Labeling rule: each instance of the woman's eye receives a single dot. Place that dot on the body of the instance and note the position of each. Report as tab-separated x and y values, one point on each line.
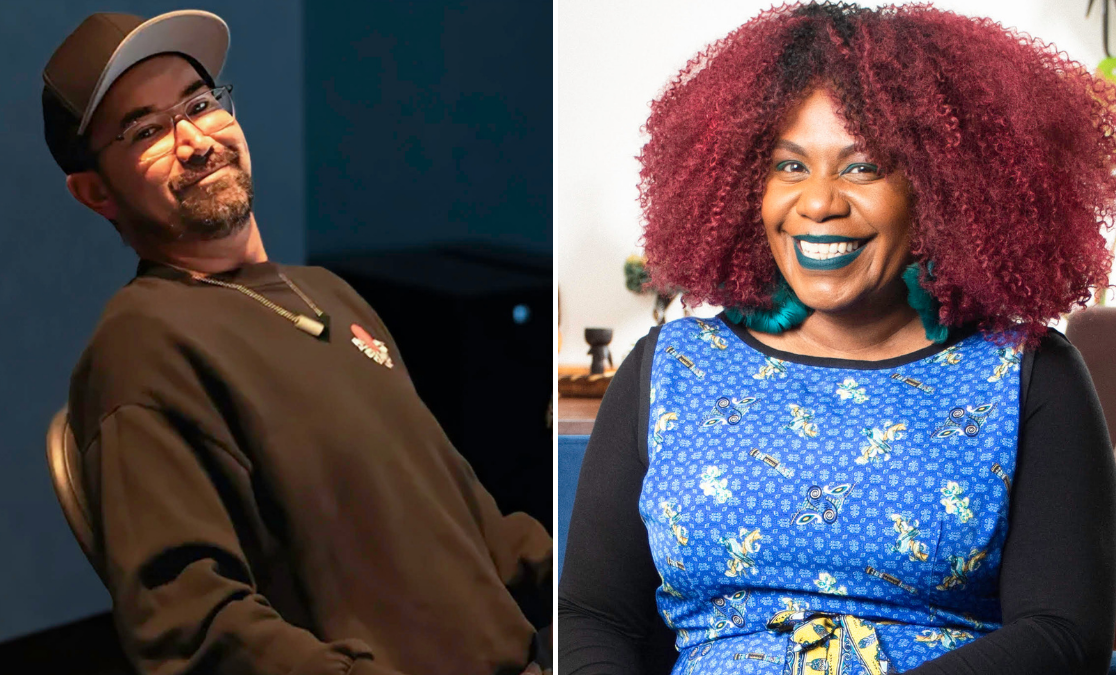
199	107
789	166
862	168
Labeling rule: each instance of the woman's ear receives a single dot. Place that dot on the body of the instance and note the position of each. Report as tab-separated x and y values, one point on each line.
89	188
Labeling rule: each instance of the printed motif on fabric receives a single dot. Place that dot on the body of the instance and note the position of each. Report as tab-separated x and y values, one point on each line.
784	502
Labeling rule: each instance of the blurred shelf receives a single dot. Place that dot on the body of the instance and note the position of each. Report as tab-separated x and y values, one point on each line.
575	416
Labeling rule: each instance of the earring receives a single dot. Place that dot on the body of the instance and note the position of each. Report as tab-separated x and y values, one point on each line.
786	312
923	303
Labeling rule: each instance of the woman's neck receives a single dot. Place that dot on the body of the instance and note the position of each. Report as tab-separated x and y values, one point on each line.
869	334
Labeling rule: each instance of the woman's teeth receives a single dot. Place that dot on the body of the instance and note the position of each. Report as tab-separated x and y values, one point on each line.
826	251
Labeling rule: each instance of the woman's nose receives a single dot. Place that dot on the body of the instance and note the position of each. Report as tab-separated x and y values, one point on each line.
821	199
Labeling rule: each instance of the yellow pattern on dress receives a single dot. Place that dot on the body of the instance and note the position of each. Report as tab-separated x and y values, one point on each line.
819	642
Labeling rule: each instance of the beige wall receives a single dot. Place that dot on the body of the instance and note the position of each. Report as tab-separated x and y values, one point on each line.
611	58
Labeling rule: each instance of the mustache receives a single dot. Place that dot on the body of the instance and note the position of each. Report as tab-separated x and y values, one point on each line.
214	161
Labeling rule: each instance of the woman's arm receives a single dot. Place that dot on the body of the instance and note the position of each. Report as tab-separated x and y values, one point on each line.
1057	580
607	620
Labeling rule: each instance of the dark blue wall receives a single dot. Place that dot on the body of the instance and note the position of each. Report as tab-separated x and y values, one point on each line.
378	124
428	122
60	263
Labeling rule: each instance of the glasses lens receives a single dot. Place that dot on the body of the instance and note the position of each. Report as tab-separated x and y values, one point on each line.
153	136
211	111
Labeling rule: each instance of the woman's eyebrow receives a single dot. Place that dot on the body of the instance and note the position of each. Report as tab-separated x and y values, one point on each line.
791	146
799	150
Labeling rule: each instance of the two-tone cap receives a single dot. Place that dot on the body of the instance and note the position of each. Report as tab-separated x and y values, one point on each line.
104	46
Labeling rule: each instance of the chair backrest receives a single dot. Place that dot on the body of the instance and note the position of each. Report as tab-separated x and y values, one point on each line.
1093	332
64	460
571	450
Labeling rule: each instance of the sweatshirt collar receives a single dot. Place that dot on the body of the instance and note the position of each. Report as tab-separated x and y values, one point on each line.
253	274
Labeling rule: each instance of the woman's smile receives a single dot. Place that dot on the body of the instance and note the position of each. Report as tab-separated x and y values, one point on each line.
827	252
837	225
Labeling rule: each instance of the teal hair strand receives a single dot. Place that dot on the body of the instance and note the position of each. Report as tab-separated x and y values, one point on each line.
925	305
787	311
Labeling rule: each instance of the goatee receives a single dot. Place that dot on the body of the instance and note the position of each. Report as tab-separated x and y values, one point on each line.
216	209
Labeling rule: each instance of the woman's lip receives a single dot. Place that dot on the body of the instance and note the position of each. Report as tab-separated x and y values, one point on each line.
825	238
834	263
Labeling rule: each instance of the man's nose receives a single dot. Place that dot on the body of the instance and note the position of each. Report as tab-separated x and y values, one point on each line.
192	147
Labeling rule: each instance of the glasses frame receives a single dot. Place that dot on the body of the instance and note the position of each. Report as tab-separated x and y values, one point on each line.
175	114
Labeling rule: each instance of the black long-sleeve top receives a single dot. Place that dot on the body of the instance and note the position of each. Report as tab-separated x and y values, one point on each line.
271	503
1058	573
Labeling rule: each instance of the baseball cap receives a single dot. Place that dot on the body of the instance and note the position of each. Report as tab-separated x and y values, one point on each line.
100	50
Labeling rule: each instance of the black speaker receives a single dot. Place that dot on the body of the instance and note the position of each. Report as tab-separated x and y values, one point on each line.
473	326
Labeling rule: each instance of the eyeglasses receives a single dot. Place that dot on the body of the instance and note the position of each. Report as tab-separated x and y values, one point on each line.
154	135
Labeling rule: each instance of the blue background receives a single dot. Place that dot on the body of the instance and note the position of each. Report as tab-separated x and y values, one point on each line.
428	122
372	126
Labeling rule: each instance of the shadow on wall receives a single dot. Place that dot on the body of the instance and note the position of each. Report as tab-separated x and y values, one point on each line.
428	123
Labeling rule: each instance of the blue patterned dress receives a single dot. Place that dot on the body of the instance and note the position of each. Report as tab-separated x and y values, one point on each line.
814	520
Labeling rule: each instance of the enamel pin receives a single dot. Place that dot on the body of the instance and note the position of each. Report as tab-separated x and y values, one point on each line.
370	346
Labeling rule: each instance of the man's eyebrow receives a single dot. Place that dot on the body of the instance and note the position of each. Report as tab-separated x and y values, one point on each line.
194	86
136	113
133	115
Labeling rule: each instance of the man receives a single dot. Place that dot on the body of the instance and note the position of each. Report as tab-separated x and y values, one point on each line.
268	491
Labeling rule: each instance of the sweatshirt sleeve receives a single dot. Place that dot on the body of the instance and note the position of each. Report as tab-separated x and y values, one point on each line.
1058	577
184	596
523	553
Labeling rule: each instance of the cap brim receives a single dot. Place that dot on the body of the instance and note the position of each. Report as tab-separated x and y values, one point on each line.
200	35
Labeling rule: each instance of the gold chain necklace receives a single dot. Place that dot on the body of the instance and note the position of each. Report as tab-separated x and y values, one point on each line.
319	329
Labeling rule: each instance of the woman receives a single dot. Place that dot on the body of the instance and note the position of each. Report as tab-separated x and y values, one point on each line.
878	459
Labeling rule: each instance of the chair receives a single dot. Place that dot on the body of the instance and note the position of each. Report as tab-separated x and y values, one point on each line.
1093	332
64	460
571	450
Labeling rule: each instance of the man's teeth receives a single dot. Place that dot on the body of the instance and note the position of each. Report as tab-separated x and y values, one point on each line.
826	251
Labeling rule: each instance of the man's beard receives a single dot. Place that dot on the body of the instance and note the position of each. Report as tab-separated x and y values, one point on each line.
215	210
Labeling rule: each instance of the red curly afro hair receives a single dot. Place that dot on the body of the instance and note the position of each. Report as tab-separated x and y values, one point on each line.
1008	146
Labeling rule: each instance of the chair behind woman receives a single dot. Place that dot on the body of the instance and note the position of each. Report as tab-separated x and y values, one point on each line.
1093	332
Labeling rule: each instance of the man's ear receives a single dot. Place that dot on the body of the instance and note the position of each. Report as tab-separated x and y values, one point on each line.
89	188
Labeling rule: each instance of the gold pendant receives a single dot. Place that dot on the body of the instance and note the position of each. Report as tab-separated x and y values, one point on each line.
308	325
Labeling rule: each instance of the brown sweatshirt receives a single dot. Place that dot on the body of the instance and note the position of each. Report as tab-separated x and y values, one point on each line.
273	503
